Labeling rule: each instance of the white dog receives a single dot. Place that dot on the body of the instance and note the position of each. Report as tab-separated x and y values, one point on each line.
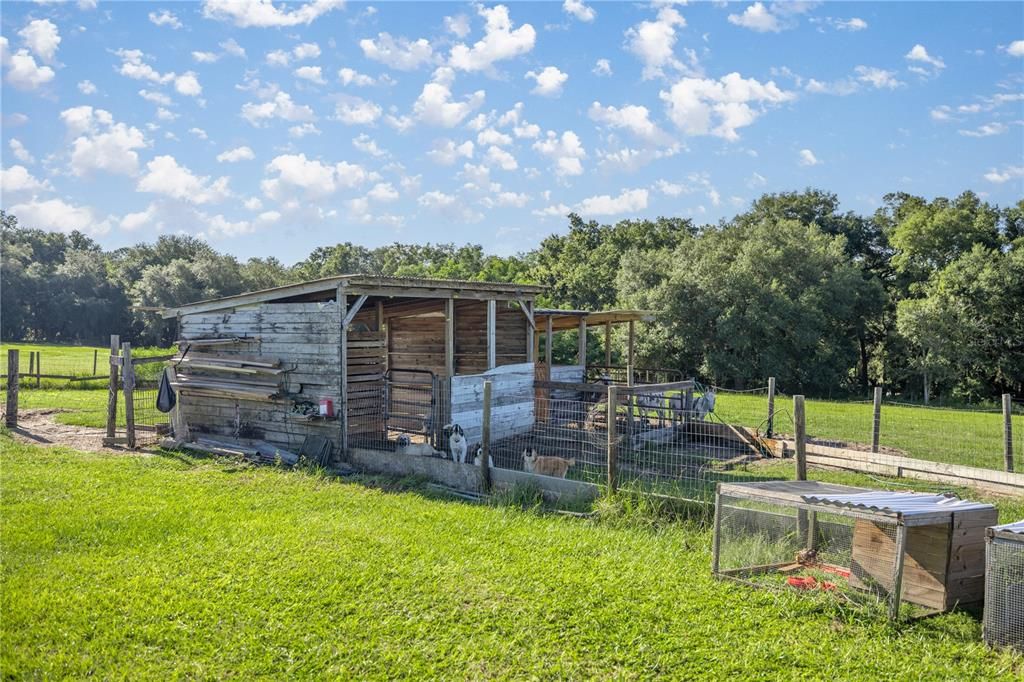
479	457
407	447
457	444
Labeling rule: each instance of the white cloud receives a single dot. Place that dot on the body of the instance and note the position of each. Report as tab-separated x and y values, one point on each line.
986	130
312	177
756	180
489	136
278	58
281	106
87	87
500	42
349	76
401	53
920	55
165	176
853	24
165	114
878	78
521	128
42	37
449	206
101	143
697	104
306	51
633	118
579	10
629	201
237	154
457	25
501	158
1005	175
155	97
565	152
446	152
434	106
19	151
383	192
602	67
253	204
187	84
231	47
57	216
630	160
263	13
165	18
312	74
301	131
941	112
205	57
368	145
22	70
133	221
653	42
807	158
17	179
1015	49
550	81
756	17
500	198
356	111
133	66
198	132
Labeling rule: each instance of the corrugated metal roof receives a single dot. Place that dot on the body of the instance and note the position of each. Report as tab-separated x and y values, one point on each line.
907	504
1015	527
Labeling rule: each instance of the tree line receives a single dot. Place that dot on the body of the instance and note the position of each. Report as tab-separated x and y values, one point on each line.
924	297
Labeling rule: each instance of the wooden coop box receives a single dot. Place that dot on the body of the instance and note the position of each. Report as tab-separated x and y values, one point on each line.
1004	586
920	548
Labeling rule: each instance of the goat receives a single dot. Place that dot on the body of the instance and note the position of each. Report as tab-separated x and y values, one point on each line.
479	457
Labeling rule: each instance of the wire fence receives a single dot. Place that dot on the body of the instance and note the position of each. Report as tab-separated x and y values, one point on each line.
70	366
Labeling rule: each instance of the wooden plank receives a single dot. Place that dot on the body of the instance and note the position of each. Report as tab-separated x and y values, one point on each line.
800	426
491	340
449	337
128	381
13	384
581	350
115	353
613	441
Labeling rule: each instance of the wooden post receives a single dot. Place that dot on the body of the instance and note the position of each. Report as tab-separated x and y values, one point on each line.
13	379
897	578
39	369
549	339
449	337
613	444
581	351
95	360
716	538
31	363
771	407
492	339
607	344
800	425
115	351
342	298
630	344
876	420
485	439
128	381
1008	431
532	337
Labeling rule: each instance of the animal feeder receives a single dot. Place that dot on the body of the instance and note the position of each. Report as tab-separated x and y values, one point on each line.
866	545
1004	585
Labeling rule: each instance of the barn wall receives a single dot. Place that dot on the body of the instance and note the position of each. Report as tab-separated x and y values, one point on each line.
512	401
303	336
471	336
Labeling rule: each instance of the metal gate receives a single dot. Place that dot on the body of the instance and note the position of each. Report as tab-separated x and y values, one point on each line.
415	405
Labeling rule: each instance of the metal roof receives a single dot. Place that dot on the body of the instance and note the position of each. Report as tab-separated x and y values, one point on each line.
1016	527
906	504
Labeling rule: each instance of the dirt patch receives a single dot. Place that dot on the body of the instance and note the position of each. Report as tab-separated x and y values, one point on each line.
40	427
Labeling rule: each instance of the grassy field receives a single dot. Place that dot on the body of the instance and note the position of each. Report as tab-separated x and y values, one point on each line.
160	566
77	361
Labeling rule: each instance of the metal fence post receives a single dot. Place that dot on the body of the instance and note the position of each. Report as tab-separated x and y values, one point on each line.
876	423
613	397
771	406
13	379
128	381
485	438
115	350
800	425
1008	431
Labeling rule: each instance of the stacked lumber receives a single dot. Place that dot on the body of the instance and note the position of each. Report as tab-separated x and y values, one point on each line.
237	364
250	389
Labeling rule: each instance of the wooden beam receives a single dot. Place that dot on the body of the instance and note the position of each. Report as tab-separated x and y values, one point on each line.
128	381
607	344
115	359
581	351
13	381
800	426
630	345
449	337
492	314
527	309
531	332
354	310
342	299
549	336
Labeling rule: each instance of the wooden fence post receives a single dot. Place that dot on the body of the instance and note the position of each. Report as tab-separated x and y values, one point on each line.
485	439
13	379
771	406
800	426
876	420
115	350
1008	431
95	360
39	368
31	362
613	444
128	380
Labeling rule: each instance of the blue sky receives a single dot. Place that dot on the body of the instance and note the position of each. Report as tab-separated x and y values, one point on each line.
270	129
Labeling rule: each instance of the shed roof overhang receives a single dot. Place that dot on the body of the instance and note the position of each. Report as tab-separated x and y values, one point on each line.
371	285
562	320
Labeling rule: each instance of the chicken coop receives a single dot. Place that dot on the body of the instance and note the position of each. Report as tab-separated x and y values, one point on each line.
1004	585
863	546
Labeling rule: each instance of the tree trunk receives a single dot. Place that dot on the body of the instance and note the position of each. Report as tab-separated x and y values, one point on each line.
863	364
926	387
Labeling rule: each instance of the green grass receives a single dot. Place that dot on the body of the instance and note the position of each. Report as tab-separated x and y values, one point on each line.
75	361
171	566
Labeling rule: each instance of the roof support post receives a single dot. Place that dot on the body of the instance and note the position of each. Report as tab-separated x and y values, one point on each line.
342	299
549	337
492	351
581	352
449	336
630	343
607	344
531	332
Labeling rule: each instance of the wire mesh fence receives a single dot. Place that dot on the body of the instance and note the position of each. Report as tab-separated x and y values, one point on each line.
1004	587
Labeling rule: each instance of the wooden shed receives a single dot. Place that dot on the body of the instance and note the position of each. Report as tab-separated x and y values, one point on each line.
393	355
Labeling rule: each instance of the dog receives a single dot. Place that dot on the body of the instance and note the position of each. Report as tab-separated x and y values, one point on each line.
546	466
407	447
479	457
457	444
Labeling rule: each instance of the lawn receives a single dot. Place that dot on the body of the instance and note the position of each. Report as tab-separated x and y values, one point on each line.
77	361
169	566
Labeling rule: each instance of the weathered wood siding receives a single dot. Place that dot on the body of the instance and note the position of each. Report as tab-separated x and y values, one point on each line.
471	336
512	401
367	357
304	337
